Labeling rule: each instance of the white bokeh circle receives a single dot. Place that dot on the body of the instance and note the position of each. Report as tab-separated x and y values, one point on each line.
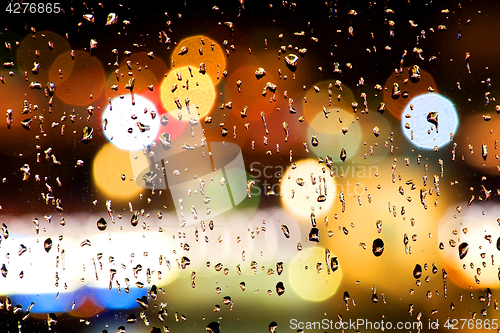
419	130
131	126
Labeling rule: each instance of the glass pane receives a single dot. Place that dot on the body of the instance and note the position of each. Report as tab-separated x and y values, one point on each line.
179	166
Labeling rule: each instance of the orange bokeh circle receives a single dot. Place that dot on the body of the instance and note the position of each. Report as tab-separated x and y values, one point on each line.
250	94
85	81
42	48
200	49
145	71
414	88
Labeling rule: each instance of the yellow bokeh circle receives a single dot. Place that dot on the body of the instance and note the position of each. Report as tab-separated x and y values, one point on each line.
309	283
307	186
186	91
195	50
112	173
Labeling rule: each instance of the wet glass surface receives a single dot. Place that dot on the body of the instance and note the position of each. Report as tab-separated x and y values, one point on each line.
229	167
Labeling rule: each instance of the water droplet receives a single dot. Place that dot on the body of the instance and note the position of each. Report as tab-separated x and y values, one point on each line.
417	271
463	248
334	264
347	298
26	123
291	61
154	292
213	327
343	154
272	327
47	244
396	91
285	230
374	295
102	224
18	308
164	119
279	268
260	73
111	19
432	117
314	235
4	270
414	73
143	301
51	320
89	17
280	288
184	262
376	131
135	219
87	134
378	247
131	319
484	151
314	141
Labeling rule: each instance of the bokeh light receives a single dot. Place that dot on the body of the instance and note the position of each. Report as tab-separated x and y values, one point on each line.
245	91
325	98
146	73
429	121
241	166
131	123
306	187
376	131
477	143
113	174
185	90
305	279
84	82
470	245
339	131
42	48
195	50
401	87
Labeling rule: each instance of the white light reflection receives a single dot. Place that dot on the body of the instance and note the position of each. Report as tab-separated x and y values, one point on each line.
131	123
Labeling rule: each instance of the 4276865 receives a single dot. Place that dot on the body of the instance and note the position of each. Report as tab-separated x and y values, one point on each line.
34	8
455	324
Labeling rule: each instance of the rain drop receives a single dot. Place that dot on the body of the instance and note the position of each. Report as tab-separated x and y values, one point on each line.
378	247
417	271
102	224
462	250
334	264
280	288
47	244
135	219
213	327
292	61
285	230
314	235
